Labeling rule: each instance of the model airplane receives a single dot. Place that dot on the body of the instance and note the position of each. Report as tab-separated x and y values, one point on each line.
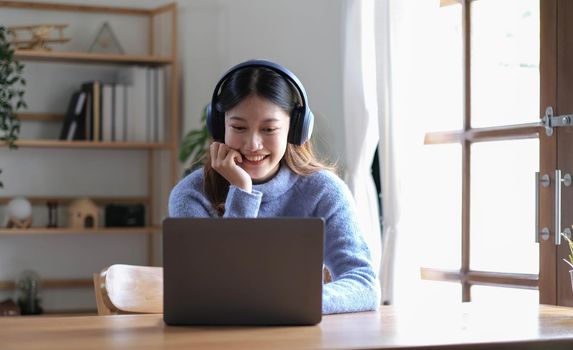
36	37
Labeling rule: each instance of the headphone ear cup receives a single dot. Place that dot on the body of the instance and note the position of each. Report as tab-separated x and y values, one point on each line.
209	119
215	123
307	127
301	126
295	126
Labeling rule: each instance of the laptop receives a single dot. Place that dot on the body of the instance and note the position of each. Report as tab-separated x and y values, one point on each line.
239	271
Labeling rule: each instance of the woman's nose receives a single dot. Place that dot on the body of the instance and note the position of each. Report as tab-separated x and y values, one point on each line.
254	142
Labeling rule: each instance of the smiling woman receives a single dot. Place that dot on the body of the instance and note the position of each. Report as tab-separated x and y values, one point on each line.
262	165
257	113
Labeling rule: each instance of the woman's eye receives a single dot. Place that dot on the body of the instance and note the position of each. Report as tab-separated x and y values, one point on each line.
270	130
238	128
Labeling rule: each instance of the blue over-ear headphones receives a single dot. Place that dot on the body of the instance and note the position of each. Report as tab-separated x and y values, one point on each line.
301	119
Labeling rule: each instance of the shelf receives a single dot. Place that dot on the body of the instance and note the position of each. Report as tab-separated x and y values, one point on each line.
80	231
41	117
28	5
65	200
89	144
86	57
53	284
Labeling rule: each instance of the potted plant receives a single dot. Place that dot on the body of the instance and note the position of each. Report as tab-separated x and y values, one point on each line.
11	92
195	144
570	257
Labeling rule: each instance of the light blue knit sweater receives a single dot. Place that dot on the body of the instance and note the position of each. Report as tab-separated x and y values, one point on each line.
355	286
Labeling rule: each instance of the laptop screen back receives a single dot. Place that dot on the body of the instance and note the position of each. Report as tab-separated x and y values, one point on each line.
243	271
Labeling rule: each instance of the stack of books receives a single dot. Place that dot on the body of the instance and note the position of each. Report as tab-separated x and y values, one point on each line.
132	109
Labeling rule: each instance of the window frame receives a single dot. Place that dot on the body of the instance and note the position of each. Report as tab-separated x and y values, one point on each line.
468	136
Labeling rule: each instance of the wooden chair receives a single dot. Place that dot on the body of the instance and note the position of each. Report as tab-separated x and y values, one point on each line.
125	289
128	289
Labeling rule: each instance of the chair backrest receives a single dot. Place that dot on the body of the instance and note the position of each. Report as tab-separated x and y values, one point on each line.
124	289
129	289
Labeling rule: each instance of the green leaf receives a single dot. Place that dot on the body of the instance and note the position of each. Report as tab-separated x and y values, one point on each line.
195	144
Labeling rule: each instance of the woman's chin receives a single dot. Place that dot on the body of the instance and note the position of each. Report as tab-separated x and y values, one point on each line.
259	177
262	176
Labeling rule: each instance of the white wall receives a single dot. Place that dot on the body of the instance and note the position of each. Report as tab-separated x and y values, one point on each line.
304	35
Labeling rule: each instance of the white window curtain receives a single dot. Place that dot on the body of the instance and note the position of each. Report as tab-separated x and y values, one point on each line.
391	92
361	117
386	143
408	87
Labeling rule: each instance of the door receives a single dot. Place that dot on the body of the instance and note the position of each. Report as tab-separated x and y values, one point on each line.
557	150
516	56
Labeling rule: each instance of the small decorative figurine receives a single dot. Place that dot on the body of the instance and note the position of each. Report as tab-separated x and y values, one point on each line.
28	289
83	213
19	213
52	214
9	308
106	42
36	37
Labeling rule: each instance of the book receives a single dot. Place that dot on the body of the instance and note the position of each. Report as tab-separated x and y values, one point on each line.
160	116
97	111
135	78
139	123
78	123
151	103
120	112
93	110
130	113
73	117
107	110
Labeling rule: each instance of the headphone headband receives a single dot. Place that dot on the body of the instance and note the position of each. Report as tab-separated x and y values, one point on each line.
302	120
283	71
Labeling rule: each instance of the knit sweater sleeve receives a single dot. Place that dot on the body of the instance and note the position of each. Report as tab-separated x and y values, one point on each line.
187	199
242	204
354	285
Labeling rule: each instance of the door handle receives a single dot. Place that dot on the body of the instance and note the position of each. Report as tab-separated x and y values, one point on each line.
567	182
545	181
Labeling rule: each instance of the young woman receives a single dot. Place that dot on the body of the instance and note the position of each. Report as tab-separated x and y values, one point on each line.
261	165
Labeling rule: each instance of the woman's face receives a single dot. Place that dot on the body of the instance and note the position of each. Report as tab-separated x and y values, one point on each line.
258	129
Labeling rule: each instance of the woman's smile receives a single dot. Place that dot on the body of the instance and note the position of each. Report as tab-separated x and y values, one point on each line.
254	159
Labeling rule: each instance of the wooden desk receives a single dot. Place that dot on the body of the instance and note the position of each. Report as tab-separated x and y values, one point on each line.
462	326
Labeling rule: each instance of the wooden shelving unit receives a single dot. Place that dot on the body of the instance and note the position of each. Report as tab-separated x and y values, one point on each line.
153	58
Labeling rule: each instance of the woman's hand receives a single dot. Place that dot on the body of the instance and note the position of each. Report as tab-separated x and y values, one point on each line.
224	160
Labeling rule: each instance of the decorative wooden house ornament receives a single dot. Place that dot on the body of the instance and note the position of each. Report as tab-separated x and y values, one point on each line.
83	213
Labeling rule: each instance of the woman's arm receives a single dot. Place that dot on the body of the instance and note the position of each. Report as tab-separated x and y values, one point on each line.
188	200
354	286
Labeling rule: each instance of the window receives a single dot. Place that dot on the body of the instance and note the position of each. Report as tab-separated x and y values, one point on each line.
484	229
